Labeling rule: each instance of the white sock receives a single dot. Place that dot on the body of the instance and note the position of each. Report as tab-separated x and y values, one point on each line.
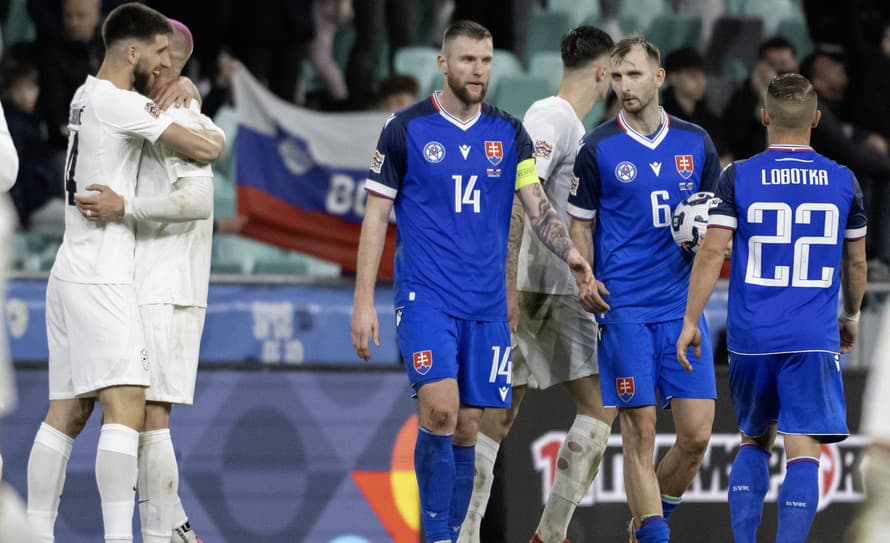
873	523
46	478
158	486
116	474
486	455
577	464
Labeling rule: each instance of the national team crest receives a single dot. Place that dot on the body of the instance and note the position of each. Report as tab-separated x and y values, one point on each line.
685	166
434	152
494	151
624	386
423	361
626	171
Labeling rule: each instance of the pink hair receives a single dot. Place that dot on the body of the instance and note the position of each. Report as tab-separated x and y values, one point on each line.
180	28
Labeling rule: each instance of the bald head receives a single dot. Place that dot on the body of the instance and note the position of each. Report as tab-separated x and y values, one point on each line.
791	103
181	45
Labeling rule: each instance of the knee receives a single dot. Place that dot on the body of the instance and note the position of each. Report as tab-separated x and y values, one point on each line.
70	417
157	416
439	419
694	443
638	436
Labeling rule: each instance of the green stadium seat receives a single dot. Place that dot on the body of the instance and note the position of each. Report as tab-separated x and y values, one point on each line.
224	204
231	267
504	64
735	7
641	12
18	26
516	93
281	267
546	31
796	31
421	63
227	119
578	10
669	32
772	12
547	66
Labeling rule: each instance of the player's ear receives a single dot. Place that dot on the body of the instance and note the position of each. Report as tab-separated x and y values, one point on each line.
764	117
659	76
442	62
816	118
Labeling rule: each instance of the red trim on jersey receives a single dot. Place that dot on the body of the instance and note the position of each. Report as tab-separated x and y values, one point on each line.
435	102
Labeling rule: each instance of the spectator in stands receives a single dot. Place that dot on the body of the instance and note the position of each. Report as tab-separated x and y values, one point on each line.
220	93
329	15
64	64
685	96
271	39
374	19
744	135
37	193
396	92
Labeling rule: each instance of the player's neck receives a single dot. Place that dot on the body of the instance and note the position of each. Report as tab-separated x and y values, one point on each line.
788	137
645	121
456	107
120	77
580	97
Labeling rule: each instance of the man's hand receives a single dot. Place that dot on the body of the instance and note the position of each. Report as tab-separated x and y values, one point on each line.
364	326
689	336
512	309
105	207
179	93
849	332
590	291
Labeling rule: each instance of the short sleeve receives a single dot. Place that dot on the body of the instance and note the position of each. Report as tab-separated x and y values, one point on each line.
712	166
857	223
179	167
543	135
586	183
132	115
524	148
723	213
388	163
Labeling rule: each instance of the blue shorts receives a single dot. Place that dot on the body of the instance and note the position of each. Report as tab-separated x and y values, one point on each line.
477	354
639	360
802	392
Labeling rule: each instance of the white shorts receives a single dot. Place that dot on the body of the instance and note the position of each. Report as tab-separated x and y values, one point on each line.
555	341
876	404
173	335
95	340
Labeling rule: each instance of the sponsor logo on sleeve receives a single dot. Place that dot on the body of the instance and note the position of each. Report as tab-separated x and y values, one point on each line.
543	150
377	161
152	109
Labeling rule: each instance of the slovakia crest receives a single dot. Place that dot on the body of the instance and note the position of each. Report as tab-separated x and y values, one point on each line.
685	166
494	151
434	152
624	386
423	361
625	171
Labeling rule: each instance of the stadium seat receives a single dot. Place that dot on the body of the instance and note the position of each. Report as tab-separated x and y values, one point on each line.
637	15
796	31
421	63
546	31
235	267
771	12
735	7
733	37
280	267
504	64
516	93
18	26
227	119
577	10
224	204
547	66
669	32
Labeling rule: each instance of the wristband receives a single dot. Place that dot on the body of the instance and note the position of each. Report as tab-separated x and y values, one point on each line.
849	317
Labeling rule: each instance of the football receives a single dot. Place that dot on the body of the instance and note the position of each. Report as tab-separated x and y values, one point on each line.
690	221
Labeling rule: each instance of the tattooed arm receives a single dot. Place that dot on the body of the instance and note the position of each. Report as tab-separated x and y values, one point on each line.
514	241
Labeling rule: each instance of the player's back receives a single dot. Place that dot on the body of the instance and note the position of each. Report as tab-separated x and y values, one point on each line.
556	132
107	126
173	259
794	210
453	183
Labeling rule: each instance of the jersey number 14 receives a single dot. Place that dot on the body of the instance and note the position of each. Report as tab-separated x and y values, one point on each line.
466	195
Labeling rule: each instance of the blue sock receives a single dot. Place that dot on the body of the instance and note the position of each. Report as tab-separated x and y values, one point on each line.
434	466
798	499
668	504
653	529
748	485
464	471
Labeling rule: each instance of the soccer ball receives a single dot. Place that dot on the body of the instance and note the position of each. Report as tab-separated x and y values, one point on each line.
690	221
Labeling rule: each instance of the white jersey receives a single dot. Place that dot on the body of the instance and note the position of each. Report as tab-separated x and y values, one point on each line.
555	129
173	259
107	128
8	222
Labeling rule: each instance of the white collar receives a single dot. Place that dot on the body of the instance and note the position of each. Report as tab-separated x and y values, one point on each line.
651	143
463	125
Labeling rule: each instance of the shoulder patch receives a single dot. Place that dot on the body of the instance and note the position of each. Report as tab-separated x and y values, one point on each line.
152	109
543	150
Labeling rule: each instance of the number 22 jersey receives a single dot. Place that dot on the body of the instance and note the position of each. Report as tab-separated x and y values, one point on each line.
453	183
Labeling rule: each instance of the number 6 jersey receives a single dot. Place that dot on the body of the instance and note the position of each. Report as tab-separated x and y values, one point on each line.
453	183
791	210
107	128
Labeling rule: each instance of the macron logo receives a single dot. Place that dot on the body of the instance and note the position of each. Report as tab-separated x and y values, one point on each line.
464	151
656	167
504	391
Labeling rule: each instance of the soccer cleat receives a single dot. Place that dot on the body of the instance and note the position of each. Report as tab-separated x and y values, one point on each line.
536	539
184	534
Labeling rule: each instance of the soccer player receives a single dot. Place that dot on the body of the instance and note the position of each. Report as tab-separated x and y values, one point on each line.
96	345
173	208
450	165
798	231
632	171
554	338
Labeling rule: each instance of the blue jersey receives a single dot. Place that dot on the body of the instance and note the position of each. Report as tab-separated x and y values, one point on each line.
453	184
791	210
631	183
